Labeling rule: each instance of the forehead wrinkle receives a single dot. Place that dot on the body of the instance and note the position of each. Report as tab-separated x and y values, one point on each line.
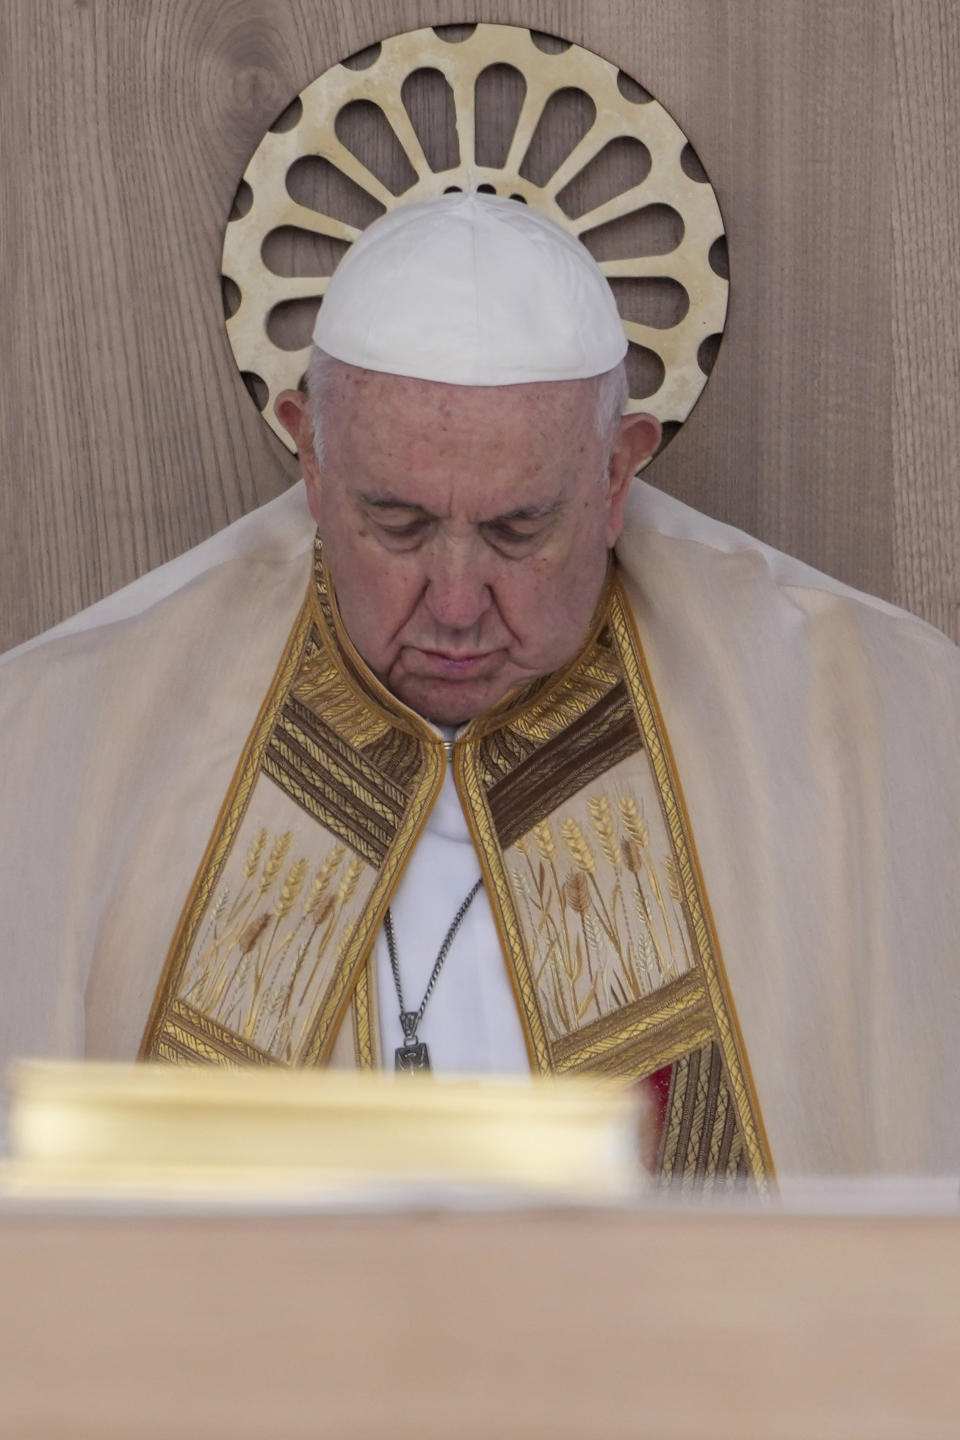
410	443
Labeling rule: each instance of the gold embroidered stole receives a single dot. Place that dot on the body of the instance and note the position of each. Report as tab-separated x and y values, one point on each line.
587	858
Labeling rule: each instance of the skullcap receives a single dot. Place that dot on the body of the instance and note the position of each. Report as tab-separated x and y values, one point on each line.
470	289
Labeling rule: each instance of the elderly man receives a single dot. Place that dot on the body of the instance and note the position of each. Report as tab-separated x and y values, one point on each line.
454	789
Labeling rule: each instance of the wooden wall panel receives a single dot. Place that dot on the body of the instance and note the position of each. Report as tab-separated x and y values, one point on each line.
925	395
788	106
127	434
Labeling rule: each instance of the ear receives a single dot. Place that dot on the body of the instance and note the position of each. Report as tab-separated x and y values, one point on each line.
292	409
637	438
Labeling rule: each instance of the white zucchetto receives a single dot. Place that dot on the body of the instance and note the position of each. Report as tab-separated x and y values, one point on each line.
471	289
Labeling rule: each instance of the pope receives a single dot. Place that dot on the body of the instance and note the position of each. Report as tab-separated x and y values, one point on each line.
473	753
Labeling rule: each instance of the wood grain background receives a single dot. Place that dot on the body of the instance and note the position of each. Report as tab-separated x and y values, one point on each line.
830	130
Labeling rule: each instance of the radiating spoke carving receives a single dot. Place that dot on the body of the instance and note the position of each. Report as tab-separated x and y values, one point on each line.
273	208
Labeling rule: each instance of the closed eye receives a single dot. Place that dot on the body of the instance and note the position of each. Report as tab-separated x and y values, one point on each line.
396	522
403	532
503	533
522	530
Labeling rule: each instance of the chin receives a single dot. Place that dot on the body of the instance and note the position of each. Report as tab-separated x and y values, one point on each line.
447	704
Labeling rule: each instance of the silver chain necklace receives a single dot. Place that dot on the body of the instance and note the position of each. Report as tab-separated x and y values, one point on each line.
413	1053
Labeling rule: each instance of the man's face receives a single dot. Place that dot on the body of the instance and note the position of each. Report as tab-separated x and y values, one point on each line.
465	529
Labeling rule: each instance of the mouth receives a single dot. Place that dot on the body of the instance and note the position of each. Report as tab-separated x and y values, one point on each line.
443	665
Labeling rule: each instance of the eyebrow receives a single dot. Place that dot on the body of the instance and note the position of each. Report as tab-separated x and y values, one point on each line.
520	512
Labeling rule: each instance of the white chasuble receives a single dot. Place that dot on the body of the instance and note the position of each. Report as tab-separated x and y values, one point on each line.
724	844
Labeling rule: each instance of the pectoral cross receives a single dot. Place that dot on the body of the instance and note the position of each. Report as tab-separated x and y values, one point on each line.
413	1054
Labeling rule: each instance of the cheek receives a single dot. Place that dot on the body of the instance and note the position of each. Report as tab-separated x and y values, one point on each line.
375	596
552	605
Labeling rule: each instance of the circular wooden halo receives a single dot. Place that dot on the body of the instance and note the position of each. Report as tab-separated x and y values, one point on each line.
461	62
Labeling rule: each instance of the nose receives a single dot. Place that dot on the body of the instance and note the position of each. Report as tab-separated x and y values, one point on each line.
458	593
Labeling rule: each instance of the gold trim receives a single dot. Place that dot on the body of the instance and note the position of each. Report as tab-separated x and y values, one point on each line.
356	952
473	797
338	647
695	1010
227	824
701	1145
641	1038
364	1018
650	718
314	619
185	1031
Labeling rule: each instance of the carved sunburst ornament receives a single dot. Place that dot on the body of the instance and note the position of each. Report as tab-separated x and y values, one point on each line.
680	259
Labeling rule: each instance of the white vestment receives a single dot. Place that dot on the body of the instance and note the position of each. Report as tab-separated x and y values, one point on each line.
816	734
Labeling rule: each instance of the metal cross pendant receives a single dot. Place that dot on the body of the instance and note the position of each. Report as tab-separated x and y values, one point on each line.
411	1058
413	1054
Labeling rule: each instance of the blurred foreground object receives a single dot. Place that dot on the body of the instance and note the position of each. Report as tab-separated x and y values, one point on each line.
156	1130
